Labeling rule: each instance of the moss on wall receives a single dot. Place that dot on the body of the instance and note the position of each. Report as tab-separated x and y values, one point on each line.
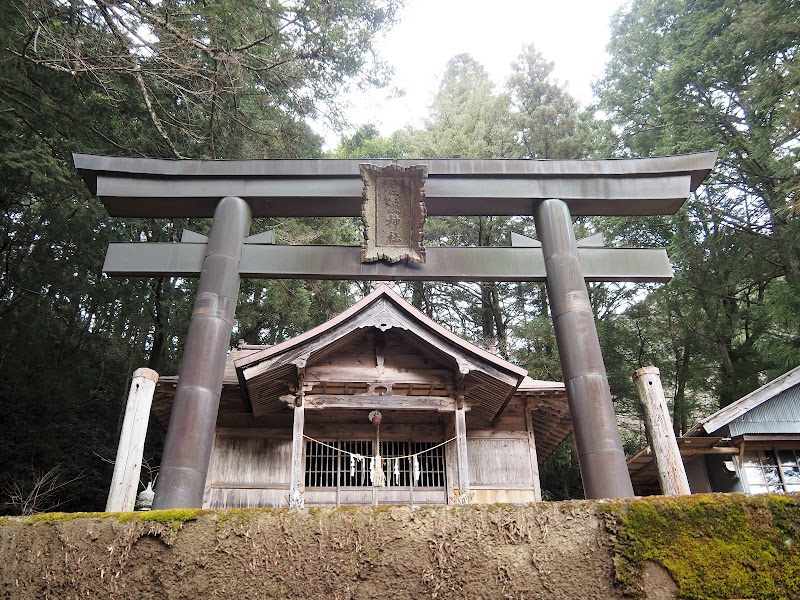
714	546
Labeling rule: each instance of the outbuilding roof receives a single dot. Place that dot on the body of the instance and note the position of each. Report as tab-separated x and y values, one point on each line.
745	404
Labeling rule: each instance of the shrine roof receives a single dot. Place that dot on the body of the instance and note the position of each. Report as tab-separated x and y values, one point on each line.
381	290
488	381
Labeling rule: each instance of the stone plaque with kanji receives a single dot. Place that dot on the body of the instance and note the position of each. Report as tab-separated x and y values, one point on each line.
393	212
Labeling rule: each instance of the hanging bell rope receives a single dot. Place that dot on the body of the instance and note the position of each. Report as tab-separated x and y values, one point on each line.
378	474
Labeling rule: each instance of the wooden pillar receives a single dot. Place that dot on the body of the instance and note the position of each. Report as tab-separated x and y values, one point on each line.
296	472
128	465
461	451
534	458
671	471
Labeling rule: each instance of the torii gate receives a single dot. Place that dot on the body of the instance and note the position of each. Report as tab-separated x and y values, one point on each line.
232	192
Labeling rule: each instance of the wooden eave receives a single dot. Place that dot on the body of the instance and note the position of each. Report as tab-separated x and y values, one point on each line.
547	401
487	380
231	393
642	466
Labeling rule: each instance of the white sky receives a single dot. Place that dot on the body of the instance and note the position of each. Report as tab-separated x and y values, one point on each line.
571	33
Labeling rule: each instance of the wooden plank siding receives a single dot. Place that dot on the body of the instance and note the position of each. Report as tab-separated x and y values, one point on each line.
248	472
250	466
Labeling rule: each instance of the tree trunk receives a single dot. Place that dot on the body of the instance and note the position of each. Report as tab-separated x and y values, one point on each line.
499	323
159	315
679	408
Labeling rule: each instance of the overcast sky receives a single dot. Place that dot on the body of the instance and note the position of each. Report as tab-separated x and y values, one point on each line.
571	33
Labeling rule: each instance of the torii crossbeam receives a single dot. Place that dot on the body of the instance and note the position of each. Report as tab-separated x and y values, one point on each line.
234	191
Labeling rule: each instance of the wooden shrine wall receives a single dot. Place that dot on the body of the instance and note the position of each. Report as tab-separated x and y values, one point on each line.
250	465
248	471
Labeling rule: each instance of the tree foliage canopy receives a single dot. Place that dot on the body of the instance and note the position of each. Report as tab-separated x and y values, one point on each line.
232	79
240	79
687	76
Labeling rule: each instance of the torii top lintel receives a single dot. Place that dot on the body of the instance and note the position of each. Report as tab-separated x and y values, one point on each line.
147	187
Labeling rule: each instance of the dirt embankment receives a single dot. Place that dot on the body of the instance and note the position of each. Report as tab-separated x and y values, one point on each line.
548	550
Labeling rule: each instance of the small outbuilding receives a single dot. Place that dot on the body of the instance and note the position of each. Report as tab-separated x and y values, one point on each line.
379	405
750	446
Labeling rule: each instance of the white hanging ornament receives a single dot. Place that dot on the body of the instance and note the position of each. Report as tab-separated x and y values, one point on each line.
379	478
415	470
397	471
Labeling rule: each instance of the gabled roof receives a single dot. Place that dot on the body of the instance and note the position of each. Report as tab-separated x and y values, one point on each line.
489	380
745	404
381	290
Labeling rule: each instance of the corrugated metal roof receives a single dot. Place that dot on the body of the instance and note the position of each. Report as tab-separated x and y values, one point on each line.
780	414
742	406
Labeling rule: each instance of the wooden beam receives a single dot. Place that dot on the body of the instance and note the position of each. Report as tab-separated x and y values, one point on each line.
352	373
422	432
128	465
534	459
685	452
667	455
256	432
371	401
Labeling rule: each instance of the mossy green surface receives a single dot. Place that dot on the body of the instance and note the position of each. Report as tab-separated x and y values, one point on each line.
714	546
172	518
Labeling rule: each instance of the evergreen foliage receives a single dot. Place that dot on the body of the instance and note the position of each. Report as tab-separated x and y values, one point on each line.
690	76
234	79
240	79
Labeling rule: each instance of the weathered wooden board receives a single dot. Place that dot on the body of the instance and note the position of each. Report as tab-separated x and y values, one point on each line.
379	402
224	498
319	497
420	496
499	462
250	460
504	496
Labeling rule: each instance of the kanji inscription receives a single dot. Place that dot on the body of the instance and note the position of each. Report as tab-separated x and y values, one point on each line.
393	212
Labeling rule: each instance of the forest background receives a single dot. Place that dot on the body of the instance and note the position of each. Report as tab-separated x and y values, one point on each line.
242	79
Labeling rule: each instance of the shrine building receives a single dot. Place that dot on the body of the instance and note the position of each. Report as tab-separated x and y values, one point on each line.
301	415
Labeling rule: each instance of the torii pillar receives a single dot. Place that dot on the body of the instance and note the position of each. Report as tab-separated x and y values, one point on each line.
190	437
600	453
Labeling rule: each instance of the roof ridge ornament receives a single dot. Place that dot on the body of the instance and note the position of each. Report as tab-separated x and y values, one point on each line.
393	212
